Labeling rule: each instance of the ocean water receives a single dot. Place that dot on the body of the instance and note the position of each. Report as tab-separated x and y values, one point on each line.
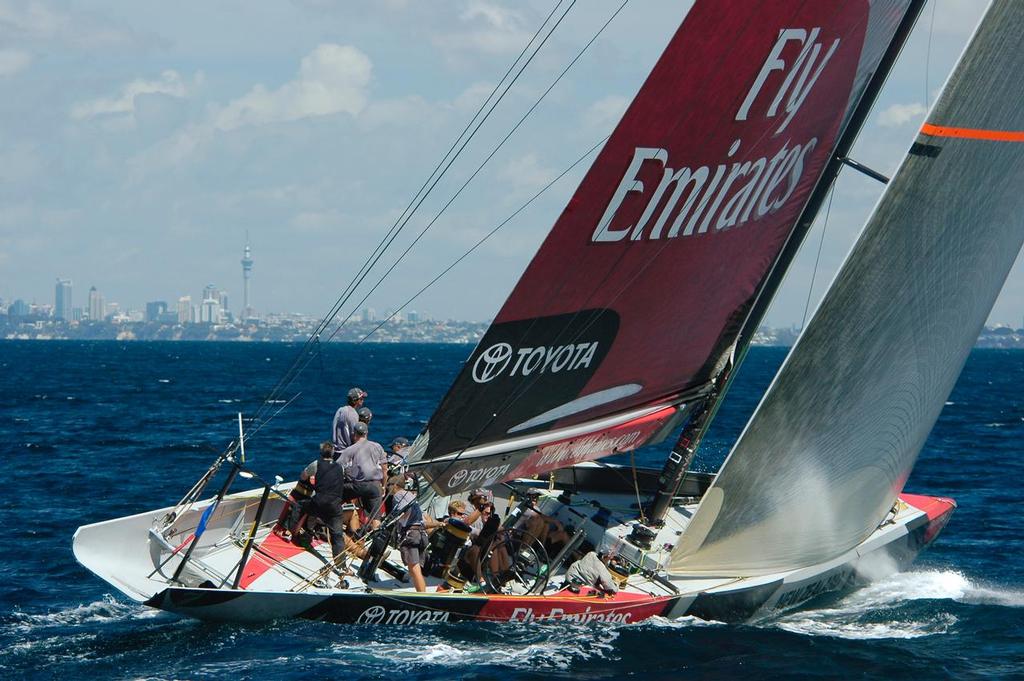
91	431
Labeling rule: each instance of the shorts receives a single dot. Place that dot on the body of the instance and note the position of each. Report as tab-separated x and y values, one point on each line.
369	493
413	547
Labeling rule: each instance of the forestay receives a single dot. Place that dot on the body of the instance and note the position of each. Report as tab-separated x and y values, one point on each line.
634	301
833	441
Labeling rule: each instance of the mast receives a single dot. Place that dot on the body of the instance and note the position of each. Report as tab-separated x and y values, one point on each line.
682	454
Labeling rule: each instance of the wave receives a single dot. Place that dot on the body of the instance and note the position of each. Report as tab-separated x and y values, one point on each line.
550	646
106	610
857	616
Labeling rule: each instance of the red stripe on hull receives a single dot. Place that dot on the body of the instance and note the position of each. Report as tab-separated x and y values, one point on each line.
938	509
584	607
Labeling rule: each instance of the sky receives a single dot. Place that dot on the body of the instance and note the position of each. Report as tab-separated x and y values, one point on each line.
140	143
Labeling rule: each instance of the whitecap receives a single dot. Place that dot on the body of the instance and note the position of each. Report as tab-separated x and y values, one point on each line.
163	380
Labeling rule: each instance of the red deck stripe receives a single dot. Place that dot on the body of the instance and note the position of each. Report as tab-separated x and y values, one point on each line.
972	133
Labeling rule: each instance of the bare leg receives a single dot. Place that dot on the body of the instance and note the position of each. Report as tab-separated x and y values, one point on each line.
417	577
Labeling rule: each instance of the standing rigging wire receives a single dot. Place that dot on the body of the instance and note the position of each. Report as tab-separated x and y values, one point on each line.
479	243
561	75
928	58
292	372
814	273
480	167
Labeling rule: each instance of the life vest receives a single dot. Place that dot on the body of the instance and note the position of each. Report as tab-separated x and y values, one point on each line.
330	481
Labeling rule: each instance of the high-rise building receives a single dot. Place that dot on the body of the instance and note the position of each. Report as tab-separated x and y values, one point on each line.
209	311
155	309
210	291
62	300
413	316
185	310
19	308
246	273
369	314
97	306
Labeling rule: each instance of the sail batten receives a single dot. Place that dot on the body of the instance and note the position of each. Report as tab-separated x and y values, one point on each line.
649	275
834	440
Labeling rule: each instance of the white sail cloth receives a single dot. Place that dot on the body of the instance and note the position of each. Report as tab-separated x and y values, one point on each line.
835	438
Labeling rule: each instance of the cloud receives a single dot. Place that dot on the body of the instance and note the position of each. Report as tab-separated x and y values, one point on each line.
170	83
13	61
527	172
36	23
489	29
332	79
603	115
901	114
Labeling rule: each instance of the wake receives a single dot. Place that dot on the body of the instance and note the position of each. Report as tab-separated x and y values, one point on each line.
873	611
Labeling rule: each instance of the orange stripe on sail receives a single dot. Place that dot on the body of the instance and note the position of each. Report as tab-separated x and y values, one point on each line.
972	133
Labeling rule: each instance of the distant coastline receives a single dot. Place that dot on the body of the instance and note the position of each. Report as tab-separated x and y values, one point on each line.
296	329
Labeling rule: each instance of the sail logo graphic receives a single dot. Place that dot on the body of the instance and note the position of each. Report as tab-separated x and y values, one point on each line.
478	476
699	198
541	359
492	362
800	76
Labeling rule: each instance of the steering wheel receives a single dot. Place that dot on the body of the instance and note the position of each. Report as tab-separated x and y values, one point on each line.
516	563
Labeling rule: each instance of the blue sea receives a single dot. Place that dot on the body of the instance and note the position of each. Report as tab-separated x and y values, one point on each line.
95	430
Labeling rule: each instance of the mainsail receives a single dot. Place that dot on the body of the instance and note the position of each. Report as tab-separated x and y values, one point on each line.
833	441
633	304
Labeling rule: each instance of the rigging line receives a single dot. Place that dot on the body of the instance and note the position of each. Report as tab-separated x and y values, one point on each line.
928	57
335	309
483	239
555	82
817	258
465	184
579	55
482	164
396	230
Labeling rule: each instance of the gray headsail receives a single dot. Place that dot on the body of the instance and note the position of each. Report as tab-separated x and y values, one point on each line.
833	441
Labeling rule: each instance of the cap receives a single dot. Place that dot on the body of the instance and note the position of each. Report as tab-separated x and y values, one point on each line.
364	414
355	393
399	442
482	493
361	428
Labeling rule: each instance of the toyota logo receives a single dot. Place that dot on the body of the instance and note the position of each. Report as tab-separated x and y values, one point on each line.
491	362
458	478
372	615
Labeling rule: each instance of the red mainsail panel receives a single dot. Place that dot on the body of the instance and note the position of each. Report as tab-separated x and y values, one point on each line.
646	277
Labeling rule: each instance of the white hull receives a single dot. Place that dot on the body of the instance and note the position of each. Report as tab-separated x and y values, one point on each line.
276	582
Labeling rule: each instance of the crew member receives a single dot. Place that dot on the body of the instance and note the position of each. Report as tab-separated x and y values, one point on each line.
591	570
346	418
485	523
366	466
411	527
550	532
397	454
328	483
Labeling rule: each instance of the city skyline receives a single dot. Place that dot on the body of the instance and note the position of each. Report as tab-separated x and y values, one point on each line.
143	148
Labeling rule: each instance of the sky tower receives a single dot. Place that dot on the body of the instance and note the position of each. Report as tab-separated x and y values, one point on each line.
246	273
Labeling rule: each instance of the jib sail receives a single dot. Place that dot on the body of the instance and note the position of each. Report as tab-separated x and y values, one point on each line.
832	443
634	301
